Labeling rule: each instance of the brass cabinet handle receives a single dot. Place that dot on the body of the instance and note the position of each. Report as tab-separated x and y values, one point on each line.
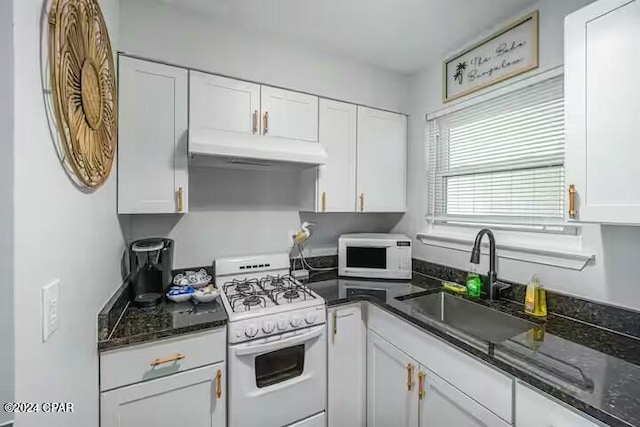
324	201
180	196
174	358
572	201
361	202
421	392
266	122
255	121
409	376
335	324
219	384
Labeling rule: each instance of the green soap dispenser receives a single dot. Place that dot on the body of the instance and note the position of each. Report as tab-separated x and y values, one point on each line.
474	283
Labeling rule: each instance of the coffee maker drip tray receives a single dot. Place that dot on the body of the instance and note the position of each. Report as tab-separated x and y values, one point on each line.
148	299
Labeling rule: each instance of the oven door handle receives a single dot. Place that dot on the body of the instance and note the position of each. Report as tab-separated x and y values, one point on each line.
279	344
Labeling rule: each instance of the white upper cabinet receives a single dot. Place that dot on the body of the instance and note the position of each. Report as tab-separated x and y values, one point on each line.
152	133
602	58
366	164
289	114
534	410
337	178
392	398
347	361
381	160
220	103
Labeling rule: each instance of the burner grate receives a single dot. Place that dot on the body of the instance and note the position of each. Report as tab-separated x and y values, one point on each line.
248	302
254	294
242	287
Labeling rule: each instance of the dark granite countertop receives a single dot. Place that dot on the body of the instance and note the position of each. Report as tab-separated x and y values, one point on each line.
592	369
139	325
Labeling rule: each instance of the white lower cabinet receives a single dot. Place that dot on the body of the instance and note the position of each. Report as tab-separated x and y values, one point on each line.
402	392
178	381
319	420
470	376
534	409
193	398
392	398
441	404
347	361
414	379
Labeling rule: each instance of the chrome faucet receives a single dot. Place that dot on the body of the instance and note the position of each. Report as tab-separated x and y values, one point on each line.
492	275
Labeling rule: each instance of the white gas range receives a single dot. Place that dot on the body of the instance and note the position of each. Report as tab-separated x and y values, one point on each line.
277	343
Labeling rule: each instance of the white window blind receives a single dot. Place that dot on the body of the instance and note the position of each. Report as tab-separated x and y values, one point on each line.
501	161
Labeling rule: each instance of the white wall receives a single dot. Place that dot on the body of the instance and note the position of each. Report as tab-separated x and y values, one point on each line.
611	278
160	31
238	212
60	232
6	208
235	212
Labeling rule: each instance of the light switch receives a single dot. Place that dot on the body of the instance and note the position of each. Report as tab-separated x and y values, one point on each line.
50	307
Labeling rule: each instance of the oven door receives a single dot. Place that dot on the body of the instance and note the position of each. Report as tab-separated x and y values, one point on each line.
278	380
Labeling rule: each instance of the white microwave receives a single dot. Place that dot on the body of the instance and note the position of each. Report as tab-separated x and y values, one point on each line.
374	255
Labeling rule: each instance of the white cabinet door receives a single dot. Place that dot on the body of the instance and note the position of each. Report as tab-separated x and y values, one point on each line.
534	410
382	160
464	372
131	365
193	398
220	103
337	178
152	133
392	398
602	110
319	420
441	404
289	114
347	367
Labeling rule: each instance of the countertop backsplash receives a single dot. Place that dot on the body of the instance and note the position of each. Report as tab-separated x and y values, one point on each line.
616	319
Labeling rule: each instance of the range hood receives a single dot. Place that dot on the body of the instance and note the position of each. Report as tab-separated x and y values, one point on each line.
237	150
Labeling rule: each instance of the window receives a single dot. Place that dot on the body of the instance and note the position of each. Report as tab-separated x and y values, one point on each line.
501	161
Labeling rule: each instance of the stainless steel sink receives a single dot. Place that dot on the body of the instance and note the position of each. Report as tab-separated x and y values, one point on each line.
469	317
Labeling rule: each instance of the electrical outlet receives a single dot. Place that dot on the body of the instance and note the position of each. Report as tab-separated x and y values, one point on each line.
300	274
50	309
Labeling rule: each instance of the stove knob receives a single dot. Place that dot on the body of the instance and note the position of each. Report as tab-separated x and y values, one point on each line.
282	324
310	318
251	331
268	326
296	321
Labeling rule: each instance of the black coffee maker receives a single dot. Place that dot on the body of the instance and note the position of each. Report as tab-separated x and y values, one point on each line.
151	262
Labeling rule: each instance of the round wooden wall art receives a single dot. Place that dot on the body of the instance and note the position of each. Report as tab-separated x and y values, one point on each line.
83	89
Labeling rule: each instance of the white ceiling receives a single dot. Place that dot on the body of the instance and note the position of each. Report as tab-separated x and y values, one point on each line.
400	35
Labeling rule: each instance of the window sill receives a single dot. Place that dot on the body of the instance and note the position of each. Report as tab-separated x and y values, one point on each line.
556	251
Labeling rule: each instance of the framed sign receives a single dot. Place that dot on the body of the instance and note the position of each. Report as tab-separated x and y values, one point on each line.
507	53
